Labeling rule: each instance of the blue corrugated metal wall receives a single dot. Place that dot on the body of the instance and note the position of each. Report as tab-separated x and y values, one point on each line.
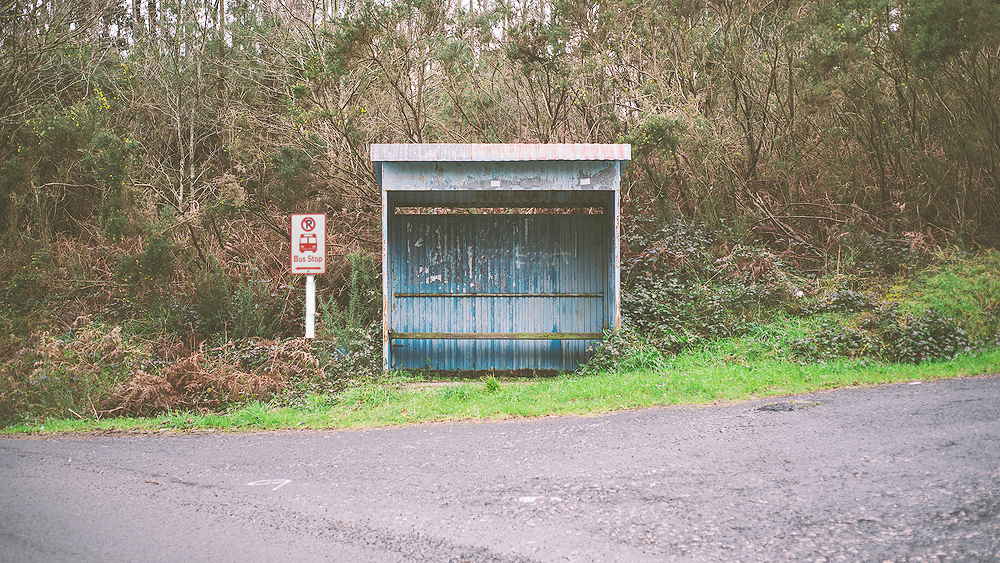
555	265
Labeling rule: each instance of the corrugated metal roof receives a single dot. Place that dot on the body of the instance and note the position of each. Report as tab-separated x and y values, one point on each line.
449	152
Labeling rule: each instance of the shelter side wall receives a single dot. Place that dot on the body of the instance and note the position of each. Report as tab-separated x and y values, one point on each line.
613	227
386	211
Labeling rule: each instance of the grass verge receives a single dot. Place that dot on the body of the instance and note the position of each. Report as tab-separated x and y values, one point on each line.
697	377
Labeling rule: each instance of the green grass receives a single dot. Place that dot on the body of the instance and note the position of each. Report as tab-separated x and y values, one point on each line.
965	288
707	376
758	364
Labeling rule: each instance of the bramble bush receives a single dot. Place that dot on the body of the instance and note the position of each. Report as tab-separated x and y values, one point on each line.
886	334
678	293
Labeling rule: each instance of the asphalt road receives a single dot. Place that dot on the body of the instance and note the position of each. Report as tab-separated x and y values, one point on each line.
898	473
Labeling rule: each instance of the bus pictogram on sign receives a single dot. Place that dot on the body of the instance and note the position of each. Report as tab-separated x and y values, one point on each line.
307	243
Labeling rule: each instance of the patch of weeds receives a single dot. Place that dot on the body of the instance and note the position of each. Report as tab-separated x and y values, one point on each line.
254	310
928	337
877	256
348	351
491	384
680	248
231	309
843	297
207	309
353	354
834	340
846	301
457	393
369	396
69	374
364	291
320	402
622	350
349	331
254	413
886	335
248	354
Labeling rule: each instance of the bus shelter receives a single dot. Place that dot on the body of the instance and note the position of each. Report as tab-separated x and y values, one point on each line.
498	256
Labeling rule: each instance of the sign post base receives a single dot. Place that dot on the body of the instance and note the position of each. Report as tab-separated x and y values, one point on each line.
310	307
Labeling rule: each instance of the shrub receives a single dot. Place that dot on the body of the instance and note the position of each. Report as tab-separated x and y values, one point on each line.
886	334
678	293
236	372
678	248
292	168
59	376
349	335
153	266
351	353
928	337
835	340
25	290
878	256
254	311
837	301
364	305
676	315
207	311
621	350
109	160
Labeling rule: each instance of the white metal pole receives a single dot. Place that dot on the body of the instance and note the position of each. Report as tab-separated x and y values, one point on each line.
310	307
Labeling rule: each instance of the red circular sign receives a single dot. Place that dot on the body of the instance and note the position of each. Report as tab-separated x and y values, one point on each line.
308	224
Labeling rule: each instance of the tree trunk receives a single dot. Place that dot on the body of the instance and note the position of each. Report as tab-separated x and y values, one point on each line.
151	13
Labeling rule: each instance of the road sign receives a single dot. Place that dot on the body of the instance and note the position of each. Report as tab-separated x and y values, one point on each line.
308	244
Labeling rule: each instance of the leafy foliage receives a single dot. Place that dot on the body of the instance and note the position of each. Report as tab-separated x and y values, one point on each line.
887	335
942	29
960	287
24	290
154	265
349	335
621	351
679	293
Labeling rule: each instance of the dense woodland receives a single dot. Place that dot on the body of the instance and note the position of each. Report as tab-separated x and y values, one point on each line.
151	150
